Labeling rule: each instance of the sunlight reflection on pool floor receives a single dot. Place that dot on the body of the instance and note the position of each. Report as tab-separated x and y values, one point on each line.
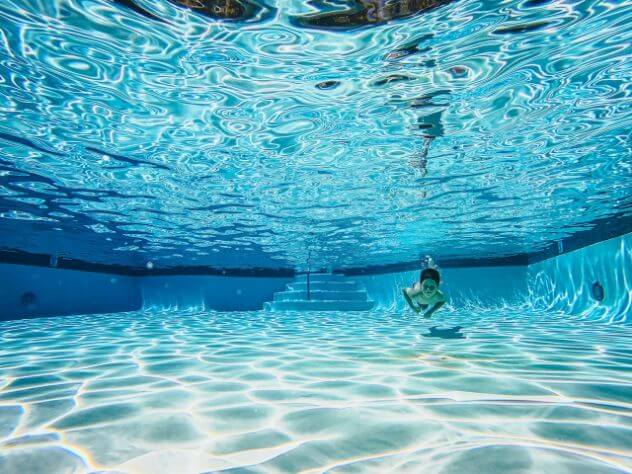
183	391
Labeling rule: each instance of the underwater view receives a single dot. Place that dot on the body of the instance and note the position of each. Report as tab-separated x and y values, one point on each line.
360	236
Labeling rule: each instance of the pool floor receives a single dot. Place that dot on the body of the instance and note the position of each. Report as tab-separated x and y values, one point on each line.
514	390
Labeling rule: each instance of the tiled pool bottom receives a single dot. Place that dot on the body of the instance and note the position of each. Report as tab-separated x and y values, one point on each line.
516	390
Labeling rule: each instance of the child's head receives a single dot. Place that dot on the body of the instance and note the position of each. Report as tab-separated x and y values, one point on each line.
429	281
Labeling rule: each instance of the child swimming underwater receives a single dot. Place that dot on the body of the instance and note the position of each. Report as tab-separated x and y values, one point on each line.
425	293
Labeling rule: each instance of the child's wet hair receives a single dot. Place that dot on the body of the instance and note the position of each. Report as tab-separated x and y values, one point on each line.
430	273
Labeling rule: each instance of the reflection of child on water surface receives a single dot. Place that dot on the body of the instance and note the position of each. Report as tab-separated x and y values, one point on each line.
425	294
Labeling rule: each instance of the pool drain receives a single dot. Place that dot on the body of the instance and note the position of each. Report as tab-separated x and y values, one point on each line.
598	291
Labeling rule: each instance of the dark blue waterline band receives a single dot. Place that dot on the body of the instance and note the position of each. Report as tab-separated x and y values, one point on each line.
509	261
64	263
604	229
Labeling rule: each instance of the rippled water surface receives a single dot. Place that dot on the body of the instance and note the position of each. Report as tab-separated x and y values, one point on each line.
249	133
505	390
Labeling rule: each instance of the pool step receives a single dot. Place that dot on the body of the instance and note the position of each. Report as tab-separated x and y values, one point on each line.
321	295
324	286
327	292
321	305
320	277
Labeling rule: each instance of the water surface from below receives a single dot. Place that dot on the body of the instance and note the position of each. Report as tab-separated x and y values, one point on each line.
180	391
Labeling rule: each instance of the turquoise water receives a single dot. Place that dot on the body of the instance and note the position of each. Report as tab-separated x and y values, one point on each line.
141	136
516	389
257	134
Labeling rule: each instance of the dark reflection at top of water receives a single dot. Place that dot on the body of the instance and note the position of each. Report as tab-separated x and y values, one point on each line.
327	84
521	27
410	48
358	13
26	142
239	10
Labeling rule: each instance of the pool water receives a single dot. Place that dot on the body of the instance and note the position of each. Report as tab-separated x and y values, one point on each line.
509	389
161	133
200	154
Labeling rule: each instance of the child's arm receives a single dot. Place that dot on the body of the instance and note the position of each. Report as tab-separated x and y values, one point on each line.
410	301
414	291
436	306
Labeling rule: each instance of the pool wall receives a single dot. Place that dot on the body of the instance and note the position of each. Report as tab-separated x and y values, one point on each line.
30	291
565	283
221	293
484	286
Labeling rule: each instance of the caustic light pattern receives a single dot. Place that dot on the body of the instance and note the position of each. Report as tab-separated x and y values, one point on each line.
185	391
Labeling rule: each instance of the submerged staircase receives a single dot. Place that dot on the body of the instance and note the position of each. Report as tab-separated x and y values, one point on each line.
321	292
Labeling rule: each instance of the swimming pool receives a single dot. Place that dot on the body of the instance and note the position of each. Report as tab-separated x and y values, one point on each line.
209	211
534	382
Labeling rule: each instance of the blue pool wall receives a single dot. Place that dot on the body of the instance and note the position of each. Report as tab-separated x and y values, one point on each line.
477	286
562	283
565	283
221	293
64	292
30	291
